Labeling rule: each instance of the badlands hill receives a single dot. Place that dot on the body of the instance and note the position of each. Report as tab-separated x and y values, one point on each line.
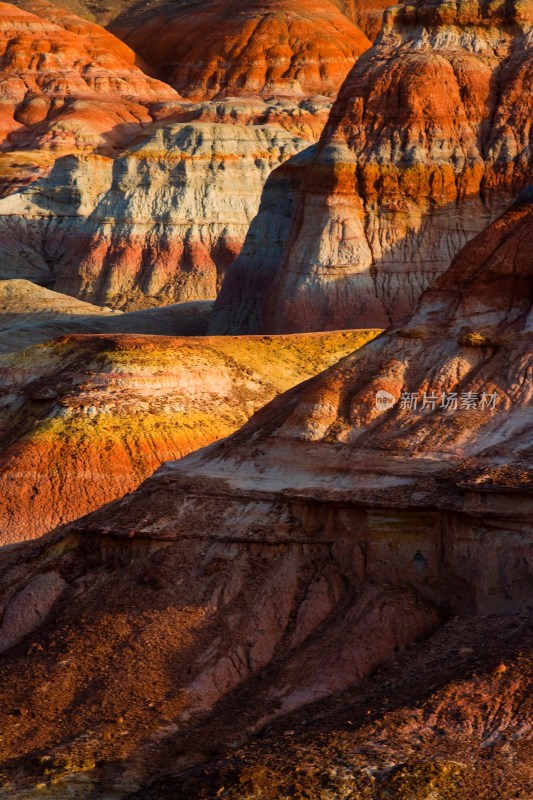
160	220
428	141
30	314
366	14
220	49
66	88
160	223
85	419
283	566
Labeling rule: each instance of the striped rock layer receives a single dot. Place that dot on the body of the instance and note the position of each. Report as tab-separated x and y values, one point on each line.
64	88
279	47
158	224
428	141
259	583
161	221
85	419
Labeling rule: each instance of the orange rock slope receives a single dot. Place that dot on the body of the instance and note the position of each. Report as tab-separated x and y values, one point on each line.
162	220
85	419
73	18
221	49
247	593
365	13
427	142
66	87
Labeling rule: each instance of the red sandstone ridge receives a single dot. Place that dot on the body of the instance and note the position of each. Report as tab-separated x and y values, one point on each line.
277	569
427	142
66	87
221	49
65	17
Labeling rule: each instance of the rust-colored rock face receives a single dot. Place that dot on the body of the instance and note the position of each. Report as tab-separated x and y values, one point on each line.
162	220
85	419
278	47
67	16
419	728
367	14
428	140
160	223
282	566
66	87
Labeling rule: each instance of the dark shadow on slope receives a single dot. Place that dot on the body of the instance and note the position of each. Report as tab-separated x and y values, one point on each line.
180	319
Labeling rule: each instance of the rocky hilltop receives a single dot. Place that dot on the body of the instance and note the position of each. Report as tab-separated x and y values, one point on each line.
273	48
427	142
85	419
344	523
160	221
63	91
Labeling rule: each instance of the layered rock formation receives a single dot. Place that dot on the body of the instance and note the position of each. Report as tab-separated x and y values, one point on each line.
30	314
429	138
85	419
366	14
283	565
72	17
221	49
161	221
66	89
159	224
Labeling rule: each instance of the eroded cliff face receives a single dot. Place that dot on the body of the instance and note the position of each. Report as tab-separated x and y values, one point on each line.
283	565
160	221
427	142
457	376
159	224
367	14
85	419
274	48
64	91
444	719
